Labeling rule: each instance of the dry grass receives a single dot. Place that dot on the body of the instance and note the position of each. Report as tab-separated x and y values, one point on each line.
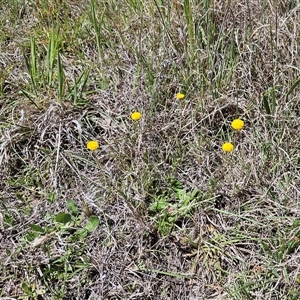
178	217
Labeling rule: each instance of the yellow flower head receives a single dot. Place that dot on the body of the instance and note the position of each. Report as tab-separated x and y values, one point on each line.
92	145
227	147
237	124
135	116
180	96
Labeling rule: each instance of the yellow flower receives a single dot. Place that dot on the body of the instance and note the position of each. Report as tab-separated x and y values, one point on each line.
227	147
92	145
180	96
135	116
237	124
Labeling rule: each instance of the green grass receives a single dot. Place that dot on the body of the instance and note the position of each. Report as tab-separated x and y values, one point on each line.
159	211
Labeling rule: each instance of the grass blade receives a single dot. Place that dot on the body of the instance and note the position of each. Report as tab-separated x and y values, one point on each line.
189	21
61	78
51	56
294	85
97	26
33	69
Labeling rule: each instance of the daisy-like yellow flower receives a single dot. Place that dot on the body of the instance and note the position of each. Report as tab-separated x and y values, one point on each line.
135	116
180	96
92	145
237	124
227	147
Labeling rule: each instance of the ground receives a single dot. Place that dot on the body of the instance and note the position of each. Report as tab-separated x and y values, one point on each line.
156	209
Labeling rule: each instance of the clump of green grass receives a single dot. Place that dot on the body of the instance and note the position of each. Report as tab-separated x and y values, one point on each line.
114	183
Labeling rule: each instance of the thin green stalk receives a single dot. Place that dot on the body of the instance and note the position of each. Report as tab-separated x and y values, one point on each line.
188	13
51	56
171	274
97	27
33	69
61	78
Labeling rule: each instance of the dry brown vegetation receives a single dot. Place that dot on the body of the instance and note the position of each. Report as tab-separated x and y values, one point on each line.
175	217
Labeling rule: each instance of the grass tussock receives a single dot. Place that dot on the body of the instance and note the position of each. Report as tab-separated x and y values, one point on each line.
156	209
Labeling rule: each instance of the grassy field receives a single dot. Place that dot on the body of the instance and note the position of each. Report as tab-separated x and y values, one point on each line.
156	209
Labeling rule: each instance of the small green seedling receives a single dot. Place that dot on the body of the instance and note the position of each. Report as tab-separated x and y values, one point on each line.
166	212
64	224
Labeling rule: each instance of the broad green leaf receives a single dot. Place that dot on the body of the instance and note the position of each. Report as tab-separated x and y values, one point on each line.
158	205
36	228
72	207
26	288
63	218
92	224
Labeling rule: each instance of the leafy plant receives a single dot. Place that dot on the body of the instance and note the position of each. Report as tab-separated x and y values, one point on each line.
30	290
68	226
284	243
67	223
166	212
